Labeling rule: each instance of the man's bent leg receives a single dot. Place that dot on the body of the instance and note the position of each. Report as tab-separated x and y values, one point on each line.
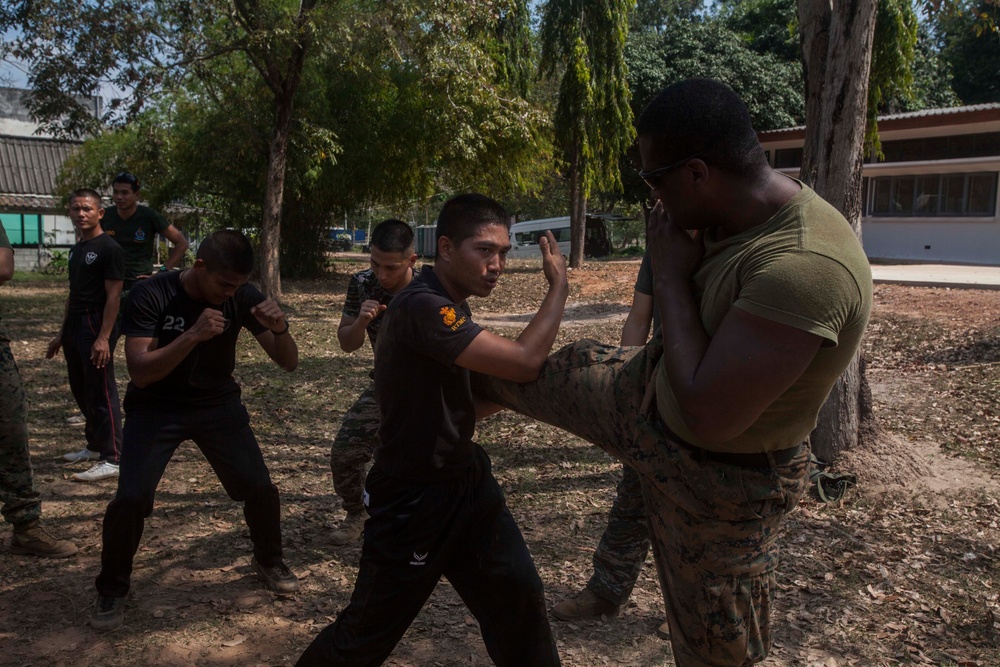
225	437
589	389
149	440
493	572
409	539
622	550
352	450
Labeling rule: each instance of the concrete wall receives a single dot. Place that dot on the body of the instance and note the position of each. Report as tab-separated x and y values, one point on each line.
951	240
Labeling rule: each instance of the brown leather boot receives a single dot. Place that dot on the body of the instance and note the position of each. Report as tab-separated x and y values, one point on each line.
30	538
585	605
351	529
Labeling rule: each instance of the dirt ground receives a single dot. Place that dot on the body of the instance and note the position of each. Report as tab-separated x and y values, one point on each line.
903	571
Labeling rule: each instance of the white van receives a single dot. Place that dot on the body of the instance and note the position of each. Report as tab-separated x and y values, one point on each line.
524	237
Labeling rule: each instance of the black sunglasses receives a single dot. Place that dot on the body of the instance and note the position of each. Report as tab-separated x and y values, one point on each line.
653	176
126	177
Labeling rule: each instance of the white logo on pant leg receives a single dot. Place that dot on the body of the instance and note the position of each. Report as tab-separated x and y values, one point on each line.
419	559
364	498
90	257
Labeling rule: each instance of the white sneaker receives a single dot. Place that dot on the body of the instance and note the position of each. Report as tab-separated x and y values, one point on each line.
102	470
82	455
76	420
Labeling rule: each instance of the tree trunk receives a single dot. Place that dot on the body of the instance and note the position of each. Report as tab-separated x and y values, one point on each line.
283	79
837	51
577	211
270	233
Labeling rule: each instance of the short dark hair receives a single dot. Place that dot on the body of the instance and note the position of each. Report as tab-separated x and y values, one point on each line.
392	236
87	192
706	119
128	178
227	250
463	215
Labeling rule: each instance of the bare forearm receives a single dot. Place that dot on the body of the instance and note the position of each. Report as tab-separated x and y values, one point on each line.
351	336
537	338
176	255
685	340
149	366
65	317
284	351
110	314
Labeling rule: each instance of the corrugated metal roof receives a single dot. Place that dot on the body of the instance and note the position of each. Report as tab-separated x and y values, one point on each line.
945	111
31	202
29	165
923	113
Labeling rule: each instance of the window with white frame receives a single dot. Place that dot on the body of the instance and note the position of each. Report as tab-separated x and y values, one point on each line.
23	229
932	195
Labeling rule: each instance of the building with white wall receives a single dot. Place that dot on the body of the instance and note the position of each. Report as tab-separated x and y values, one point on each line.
933	197
33	217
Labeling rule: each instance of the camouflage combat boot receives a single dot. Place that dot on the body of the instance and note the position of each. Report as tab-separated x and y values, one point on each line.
30	538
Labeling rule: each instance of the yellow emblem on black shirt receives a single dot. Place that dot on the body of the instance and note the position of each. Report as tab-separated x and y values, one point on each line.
449	315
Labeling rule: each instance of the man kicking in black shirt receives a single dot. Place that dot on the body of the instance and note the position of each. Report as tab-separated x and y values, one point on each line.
181	330
434	506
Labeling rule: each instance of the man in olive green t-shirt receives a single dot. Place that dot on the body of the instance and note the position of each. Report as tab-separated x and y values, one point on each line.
135	227
19	501
764	293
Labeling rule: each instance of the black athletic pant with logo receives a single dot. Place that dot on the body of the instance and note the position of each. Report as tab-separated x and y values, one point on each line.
94	388
152	433
418	532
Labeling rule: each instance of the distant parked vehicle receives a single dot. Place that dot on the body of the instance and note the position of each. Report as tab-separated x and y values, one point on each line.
343	240
524	236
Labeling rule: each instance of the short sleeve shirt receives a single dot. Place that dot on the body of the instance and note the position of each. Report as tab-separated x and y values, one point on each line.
644	285
135	235
364	286
803	268
90	264
160	308
425	435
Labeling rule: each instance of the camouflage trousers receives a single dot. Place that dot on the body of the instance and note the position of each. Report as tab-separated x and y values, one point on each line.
714	526
352	450
18	496
622	550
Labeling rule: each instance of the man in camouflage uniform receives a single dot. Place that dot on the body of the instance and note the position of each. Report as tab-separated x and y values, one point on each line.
764	293
368	294
623	546
18	497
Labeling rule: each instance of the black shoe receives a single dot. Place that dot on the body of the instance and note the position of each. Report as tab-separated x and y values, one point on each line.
278	577
109	613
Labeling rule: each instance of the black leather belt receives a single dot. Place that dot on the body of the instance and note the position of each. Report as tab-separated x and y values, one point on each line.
755	460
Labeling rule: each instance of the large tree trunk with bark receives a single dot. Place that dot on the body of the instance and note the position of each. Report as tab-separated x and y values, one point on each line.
274	192
282	74
577	211
837	51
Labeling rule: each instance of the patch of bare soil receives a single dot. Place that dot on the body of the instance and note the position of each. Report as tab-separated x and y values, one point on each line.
900	574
